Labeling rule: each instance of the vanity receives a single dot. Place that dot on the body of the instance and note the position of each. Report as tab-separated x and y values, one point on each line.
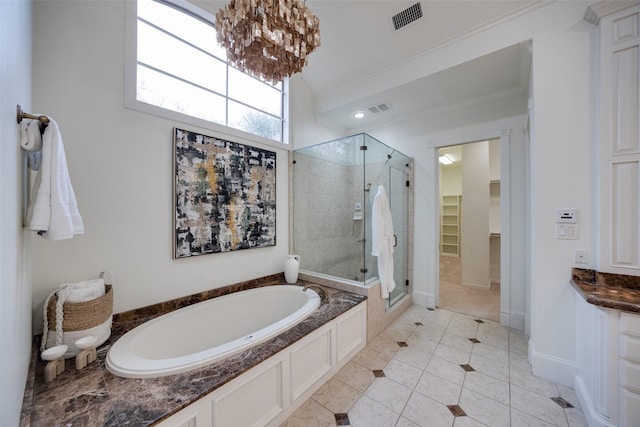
607	381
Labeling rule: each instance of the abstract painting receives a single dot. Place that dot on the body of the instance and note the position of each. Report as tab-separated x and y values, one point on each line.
225	195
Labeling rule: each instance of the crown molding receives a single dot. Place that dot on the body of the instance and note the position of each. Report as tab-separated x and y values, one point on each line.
599	10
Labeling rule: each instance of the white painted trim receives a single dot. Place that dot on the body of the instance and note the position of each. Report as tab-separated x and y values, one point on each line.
422	299
131	101
594	419
552	368
505	226
485	286
506	317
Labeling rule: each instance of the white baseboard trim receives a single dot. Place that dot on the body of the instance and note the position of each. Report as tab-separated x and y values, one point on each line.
423	299
484	287
513	320
594	419
552	368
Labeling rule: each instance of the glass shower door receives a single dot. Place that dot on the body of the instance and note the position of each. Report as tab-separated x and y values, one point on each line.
398	201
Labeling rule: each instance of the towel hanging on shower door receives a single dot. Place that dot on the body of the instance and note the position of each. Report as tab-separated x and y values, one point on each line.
382	241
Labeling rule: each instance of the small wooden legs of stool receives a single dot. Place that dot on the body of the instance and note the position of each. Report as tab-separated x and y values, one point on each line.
85	357
55	362
87	353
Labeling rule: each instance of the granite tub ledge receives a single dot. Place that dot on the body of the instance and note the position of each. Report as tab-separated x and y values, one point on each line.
616	291
94	396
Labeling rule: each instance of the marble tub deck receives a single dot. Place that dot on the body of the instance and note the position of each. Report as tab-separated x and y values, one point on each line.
617	291
94	396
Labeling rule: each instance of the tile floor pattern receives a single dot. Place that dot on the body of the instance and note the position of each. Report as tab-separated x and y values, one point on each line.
484	303
437	368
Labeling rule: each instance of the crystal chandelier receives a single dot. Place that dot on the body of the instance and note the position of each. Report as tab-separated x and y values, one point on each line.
269	39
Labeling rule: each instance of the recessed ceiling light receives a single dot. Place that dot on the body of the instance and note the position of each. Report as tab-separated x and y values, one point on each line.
358	114
446	160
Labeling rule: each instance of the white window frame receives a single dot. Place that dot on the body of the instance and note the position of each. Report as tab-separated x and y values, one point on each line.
130	83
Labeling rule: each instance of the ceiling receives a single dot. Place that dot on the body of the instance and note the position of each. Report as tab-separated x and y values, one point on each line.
358	40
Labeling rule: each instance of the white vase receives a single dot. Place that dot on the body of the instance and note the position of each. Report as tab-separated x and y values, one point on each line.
291	267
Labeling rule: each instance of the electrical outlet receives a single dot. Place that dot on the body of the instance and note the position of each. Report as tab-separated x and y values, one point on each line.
580	256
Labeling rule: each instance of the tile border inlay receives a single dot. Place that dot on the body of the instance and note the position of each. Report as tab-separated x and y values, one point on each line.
342	419
563	403
457	411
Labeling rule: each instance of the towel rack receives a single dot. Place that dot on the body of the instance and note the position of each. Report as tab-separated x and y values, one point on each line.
44	120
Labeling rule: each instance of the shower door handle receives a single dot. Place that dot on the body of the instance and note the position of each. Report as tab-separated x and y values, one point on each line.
395	240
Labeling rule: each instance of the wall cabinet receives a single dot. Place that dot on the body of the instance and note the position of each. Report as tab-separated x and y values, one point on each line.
608	361
450	225
618	134
271	391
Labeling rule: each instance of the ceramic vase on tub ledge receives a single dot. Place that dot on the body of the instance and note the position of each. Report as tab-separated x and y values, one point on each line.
291	267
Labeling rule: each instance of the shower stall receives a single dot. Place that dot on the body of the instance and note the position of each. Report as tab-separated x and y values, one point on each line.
334	184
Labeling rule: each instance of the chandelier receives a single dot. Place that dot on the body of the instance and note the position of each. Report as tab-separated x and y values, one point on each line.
269	39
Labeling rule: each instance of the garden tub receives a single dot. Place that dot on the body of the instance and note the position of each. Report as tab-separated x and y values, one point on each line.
203	333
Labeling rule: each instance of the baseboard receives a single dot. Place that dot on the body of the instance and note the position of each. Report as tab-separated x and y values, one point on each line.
423	299
552	368
594	419
513	320
477	285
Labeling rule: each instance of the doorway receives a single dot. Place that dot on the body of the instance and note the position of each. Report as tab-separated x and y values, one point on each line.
470	229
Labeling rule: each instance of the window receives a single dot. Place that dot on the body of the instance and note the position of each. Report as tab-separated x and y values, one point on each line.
179	67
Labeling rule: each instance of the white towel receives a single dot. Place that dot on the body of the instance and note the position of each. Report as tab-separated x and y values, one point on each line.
85	291
30	137
382	241
53	210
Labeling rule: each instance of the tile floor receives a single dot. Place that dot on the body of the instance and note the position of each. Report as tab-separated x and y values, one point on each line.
439	368
462	299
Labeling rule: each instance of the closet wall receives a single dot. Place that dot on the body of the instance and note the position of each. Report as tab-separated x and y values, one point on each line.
485	231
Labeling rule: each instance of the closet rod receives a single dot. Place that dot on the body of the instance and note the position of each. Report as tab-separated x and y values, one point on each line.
22	115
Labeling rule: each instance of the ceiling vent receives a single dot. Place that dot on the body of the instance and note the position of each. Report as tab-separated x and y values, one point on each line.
407	16
379	108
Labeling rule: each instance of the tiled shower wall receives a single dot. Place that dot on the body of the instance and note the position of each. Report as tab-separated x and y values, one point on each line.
326	235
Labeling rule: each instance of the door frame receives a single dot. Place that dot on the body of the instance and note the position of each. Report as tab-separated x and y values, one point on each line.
508	265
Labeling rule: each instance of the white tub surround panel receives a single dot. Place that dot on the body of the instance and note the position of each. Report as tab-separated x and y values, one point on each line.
270	392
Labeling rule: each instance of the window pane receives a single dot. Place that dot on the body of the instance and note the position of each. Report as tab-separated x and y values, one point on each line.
253	121
158	89
165	53
248	90
183	25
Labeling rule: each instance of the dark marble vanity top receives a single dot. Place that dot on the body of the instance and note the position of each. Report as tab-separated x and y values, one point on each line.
94	396
608	290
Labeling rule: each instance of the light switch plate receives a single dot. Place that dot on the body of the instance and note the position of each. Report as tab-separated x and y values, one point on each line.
567	231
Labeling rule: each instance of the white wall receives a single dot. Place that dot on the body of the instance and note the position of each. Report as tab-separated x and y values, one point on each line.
15	256
475	215
451	180
120	162
560	168
306	130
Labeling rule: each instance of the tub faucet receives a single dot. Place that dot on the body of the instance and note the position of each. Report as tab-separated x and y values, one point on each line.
323	294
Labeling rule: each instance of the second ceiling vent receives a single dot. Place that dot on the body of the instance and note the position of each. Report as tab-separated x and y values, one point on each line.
407	16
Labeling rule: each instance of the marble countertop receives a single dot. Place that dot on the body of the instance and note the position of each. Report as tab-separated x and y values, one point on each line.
608	290
94	396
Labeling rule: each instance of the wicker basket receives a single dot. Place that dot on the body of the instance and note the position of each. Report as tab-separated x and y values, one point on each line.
89	318
82	315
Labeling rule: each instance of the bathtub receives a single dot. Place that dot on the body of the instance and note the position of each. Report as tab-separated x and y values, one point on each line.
203	333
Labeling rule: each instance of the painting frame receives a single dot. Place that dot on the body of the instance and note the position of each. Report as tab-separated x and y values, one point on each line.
224	195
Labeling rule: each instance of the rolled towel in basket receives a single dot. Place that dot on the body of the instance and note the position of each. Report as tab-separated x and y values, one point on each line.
86	290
